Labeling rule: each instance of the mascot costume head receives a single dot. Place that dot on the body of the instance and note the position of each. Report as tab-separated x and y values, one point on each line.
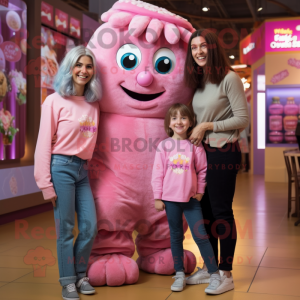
140	51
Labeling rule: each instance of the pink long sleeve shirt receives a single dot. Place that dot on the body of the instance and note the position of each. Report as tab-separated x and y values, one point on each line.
75	122
179	170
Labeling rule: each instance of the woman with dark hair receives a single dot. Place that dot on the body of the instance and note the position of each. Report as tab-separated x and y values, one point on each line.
220	106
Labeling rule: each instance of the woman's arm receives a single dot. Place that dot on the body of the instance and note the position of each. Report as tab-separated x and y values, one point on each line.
237	98
42	156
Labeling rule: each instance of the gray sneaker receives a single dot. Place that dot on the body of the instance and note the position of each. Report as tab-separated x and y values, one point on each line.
84	287
69	292
179	282
201	276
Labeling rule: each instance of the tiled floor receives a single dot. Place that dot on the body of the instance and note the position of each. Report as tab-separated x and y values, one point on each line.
266	265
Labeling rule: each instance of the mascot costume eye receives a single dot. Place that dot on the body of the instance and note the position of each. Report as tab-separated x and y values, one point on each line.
140	50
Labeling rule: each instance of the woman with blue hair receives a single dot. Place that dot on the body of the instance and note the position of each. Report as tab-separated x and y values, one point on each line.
72	114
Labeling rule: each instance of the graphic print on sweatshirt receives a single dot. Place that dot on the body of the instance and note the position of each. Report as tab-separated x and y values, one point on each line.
87	126
179	163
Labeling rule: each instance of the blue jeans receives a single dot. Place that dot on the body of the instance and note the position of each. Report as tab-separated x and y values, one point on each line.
193	213
69	176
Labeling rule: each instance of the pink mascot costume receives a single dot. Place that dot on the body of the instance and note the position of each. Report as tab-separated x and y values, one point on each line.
141	52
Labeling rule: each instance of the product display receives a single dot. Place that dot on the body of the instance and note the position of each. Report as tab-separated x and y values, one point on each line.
276	108
291	108
7	127
276	136
275	122
13	20
290	123
283	106
18	86
2	60
54	47
290	137
3	85
13	85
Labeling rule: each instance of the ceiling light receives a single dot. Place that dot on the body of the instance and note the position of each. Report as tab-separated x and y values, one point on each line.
231	56
239	66
245	83
205	8
259	9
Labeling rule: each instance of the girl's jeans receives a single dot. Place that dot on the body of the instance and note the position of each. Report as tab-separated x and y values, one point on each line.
71	183
193	213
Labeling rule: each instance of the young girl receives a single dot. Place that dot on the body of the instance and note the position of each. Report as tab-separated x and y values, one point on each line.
178	185
72	114
221	108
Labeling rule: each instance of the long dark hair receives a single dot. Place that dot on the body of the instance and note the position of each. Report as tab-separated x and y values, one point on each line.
184	111
217	63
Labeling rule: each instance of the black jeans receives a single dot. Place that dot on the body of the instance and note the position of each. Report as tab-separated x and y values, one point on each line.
222	167
193	215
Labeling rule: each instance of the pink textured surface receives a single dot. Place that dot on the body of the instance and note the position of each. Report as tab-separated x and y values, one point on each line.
138	17
172	18
120	176
144	78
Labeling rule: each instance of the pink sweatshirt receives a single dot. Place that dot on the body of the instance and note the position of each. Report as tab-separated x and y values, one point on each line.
179	170
75	122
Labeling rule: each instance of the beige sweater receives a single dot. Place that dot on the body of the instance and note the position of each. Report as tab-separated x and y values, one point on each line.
226	106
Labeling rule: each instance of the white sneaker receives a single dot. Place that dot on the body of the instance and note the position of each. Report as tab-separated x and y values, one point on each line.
179	282
201	276
214	283
225	286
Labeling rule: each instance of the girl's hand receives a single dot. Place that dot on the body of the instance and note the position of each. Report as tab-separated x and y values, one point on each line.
159	205
53	200
198	197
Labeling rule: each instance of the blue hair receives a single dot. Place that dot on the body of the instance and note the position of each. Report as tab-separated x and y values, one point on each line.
63	81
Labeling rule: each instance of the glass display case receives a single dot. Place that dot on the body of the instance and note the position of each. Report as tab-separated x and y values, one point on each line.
13	48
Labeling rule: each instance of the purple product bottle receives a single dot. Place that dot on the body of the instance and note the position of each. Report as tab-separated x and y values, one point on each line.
275	136
275	122
275	108
291	109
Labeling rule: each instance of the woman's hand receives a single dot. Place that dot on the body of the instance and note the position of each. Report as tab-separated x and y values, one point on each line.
159	205
53	200
197	135
198	132
54	139
198	197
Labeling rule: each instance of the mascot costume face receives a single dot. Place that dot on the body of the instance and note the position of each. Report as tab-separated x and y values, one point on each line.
140	51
